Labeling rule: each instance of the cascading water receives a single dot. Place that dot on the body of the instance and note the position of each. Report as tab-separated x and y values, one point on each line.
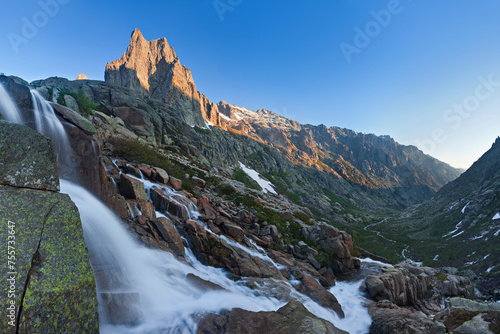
47	123
153	282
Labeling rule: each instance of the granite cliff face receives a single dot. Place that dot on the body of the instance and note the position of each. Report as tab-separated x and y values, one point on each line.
375	162
154	70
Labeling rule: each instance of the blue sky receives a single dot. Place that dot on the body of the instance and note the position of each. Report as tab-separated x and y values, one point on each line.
425	72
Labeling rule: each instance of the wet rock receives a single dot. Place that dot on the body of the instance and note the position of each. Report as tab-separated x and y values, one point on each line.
215	251
141	220
146	171
123	308
175	205
132	188
203	284
169	234
319	294
129	169
290	319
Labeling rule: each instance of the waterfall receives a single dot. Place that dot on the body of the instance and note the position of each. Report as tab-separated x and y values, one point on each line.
47	123
168	301
148	287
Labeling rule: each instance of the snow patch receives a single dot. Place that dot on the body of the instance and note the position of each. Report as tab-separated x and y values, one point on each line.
225	117
208	125
468	264
265	185
457	227
483	233
497	216
490	269
463	209
456	235
436	258
497	233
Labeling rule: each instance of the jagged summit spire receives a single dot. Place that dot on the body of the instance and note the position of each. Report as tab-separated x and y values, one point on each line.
153	69
142	60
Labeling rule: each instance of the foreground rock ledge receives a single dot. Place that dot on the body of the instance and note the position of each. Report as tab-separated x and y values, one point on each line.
52	286
292	318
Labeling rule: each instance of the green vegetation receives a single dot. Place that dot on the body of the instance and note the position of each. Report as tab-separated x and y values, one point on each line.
142	153
283	186
240	175
86	106
324	257
304	217
334	198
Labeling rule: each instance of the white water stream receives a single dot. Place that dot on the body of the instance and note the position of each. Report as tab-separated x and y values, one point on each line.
164	300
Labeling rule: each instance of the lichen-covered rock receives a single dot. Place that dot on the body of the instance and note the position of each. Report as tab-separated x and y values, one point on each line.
54	285
74	118
27	159
290	319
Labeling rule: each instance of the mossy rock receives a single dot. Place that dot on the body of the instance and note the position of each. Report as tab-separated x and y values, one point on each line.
27	159
54	284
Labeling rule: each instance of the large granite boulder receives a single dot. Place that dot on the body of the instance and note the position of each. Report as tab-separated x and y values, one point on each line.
50	286
290	319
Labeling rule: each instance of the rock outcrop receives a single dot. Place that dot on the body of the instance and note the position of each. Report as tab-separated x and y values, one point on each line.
51	286
408	298
290	319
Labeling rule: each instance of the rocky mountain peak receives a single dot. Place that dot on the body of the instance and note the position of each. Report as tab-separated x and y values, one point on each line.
153	69
141	61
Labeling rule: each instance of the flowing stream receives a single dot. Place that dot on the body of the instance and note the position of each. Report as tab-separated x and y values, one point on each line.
150	286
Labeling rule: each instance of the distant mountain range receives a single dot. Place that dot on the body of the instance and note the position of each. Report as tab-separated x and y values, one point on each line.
402	174
460	225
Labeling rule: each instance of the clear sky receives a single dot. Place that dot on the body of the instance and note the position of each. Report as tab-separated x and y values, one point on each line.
425	72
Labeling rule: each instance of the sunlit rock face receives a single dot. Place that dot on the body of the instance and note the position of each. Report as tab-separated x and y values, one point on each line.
153	69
